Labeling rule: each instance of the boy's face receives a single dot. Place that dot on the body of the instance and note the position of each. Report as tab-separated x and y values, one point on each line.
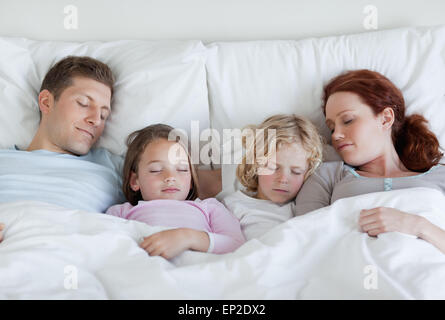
163	172
286	174
74	122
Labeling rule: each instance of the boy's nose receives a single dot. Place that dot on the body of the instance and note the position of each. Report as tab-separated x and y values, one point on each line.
283	178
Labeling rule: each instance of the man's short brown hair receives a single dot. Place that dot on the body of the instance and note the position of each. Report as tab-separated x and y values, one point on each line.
60	76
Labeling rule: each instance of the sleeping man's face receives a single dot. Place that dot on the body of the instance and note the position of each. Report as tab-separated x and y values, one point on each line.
75	121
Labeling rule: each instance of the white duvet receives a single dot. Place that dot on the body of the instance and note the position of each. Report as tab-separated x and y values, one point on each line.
54	253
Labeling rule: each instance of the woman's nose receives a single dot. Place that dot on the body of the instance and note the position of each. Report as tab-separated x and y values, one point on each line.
337	134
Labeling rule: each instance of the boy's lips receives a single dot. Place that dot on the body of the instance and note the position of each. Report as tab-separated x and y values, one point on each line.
280	190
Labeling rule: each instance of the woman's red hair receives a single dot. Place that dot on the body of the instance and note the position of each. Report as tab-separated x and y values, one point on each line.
416	145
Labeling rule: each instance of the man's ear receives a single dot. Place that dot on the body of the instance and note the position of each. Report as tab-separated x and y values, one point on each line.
387	117
46	101
134	183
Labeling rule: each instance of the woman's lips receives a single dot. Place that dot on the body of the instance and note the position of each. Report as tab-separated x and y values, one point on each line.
340	147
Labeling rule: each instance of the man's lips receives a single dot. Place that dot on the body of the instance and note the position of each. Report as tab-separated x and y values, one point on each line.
86	132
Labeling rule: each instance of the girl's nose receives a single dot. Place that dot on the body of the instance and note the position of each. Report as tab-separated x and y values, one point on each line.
170	179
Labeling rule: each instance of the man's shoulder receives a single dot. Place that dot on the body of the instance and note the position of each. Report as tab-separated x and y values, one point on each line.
104	157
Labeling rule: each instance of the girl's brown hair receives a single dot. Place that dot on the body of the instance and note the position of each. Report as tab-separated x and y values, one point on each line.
137	142
417	147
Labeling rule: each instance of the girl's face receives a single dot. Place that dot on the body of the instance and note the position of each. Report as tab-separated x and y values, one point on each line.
163	172
285	175
357	134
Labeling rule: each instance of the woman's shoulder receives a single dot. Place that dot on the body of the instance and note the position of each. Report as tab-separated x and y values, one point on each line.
331	169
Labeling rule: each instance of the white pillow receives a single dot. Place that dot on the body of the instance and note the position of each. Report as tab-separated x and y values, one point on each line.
249	81
156	82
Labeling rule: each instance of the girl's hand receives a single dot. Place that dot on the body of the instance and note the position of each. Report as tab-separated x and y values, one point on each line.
170	243
382	219
2	226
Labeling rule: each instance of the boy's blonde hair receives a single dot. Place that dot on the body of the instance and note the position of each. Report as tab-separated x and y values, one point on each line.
137	142
288	129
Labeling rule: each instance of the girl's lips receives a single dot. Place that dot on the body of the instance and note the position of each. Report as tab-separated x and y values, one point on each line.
170	190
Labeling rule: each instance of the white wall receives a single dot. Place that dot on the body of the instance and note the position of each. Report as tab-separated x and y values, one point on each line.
208	20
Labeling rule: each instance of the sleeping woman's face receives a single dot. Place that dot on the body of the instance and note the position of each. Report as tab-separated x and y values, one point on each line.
357	134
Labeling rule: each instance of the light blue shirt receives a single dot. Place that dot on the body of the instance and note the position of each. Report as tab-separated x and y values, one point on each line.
91	182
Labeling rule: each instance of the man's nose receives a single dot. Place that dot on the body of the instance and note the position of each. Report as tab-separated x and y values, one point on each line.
93	117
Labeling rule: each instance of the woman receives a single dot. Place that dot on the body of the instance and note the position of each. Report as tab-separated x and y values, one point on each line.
380	148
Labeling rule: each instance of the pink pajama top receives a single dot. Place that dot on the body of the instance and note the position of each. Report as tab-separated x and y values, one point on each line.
207	215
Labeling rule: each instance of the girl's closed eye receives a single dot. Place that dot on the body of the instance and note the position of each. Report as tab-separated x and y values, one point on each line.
154	169
183	169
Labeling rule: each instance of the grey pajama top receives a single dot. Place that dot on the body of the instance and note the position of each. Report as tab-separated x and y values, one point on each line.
336	180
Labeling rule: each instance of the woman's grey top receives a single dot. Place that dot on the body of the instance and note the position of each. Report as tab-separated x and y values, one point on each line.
336	180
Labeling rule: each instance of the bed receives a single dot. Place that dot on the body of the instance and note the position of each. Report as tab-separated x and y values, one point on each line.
50	252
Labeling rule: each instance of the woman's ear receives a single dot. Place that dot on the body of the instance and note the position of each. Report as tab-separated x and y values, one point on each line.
134	182
387	118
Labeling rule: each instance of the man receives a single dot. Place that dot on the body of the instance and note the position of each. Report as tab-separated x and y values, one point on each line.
60	166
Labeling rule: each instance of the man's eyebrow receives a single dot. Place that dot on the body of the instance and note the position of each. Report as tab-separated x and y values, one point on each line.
104	106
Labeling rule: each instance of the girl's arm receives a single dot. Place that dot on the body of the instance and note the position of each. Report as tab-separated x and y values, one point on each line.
169	243
226	235
382	219
2	226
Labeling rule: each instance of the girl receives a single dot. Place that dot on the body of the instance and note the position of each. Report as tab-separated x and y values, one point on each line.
293	152
161	187
382	149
